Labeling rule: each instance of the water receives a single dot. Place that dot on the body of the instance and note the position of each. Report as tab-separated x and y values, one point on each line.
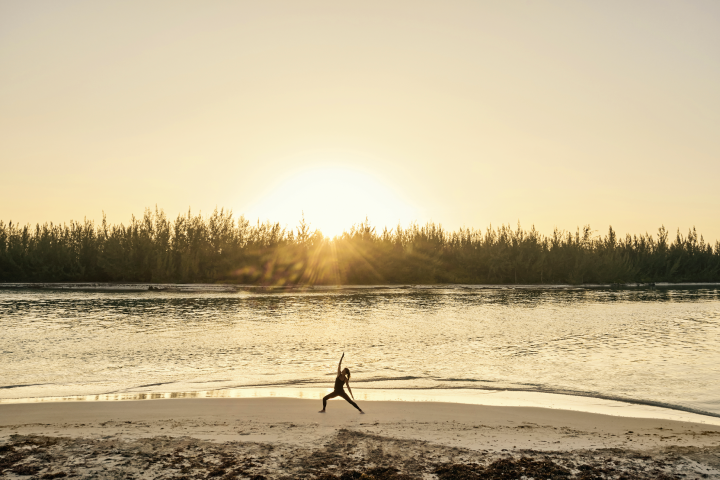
653	346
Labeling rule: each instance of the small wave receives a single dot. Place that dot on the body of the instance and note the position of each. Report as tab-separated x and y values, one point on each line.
314	381
387	379
153	384
469	380
129	389
3	387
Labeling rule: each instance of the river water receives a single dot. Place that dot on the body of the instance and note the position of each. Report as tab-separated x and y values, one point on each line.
658	347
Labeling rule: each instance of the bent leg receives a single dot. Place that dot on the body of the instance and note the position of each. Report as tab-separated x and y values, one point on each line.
328	397
345	396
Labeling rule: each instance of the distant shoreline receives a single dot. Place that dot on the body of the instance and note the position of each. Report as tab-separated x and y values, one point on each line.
221	249
229	287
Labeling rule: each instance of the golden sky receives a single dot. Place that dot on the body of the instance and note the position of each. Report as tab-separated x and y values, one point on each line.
468	113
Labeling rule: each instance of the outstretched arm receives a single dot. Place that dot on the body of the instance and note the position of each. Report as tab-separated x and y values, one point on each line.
340	364
347	382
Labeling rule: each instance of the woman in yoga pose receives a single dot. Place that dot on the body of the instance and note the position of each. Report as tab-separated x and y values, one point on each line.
343	378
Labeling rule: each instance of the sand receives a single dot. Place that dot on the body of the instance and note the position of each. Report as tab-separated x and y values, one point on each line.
288	438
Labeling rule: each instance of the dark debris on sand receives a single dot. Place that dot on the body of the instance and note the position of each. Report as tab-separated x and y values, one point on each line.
348	455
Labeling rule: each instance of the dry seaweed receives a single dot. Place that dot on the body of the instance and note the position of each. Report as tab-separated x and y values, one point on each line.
348	455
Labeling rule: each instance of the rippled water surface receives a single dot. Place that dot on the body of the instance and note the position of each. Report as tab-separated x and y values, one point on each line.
658	346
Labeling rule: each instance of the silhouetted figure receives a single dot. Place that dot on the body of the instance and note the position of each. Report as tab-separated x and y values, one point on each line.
343	378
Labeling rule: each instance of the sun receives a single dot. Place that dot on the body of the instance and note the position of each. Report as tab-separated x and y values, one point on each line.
332	199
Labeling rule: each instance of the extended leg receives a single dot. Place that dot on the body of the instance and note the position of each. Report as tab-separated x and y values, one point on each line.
328	397
345	396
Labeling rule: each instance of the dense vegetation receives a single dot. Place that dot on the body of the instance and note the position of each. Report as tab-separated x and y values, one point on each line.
218	248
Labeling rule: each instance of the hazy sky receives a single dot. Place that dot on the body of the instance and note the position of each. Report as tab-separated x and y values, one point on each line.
557	113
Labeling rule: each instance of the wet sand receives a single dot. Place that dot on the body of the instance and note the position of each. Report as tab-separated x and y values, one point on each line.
287	438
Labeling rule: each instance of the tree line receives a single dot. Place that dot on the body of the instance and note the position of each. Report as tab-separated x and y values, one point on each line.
219	248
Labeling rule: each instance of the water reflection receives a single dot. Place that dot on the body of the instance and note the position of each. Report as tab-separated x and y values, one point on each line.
655	345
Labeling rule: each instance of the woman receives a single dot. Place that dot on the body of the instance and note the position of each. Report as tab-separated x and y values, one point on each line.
343	377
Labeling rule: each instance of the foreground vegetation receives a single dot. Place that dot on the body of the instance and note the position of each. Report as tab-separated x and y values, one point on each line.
351	455
219	248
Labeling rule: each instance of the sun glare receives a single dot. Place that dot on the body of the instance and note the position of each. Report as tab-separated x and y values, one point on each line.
332	200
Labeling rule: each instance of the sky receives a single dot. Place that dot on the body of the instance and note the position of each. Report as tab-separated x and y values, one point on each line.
465	113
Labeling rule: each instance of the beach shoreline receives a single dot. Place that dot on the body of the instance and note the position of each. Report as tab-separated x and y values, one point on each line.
417	437
487	397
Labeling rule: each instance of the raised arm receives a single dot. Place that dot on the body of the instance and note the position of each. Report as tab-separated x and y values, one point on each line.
340	364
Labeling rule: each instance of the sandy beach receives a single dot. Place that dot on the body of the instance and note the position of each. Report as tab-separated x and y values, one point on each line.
288	438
